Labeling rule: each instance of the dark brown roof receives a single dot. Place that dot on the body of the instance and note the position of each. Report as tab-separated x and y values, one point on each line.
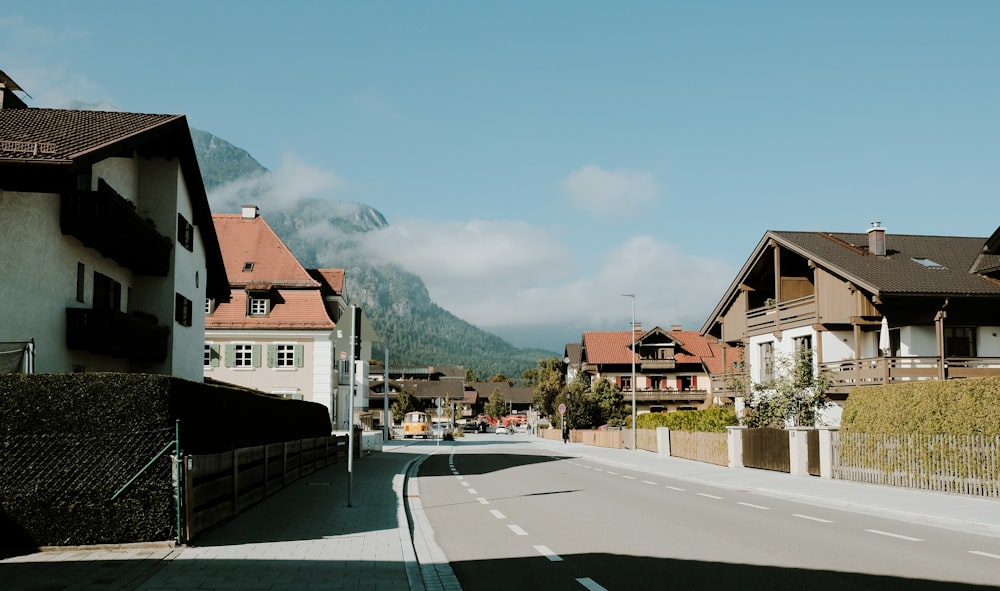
897	273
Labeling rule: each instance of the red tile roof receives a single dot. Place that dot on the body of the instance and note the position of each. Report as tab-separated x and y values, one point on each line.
332	280
298	308
613	348
246	241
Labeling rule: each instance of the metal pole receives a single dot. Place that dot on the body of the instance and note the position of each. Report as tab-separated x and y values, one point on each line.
179	469
386	417
350	414
634	441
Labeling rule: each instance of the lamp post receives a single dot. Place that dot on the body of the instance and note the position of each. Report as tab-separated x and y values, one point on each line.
634	441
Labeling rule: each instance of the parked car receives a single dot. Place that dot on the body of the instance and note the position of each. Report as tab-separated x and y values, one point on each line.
470	427
502	430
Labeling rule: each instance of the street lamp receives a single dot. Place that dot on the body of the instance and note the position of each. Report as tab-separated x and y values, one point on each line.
634	441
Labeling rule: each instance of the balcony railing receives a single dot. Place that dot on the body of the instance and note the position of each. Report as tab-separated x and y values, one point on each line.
878	371
797	312
109	332
107	222
647	395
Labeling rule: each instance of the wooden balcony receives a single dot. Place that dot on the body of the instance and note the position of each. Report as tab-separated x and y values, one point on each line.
108	223
649	395
787	314
136	337
878	371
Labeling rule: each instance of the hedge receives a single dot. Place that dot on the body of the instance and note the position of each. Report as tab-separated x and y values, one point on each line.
953	407
709	420
70	442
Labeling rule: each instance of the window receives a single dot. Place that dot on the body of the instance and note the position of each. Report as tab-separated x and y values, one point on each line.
182	310
927	263
960	341
258	306
683	383
248	266
766	362
243	356
81	282
286	356
208	305
185	233
211	355
626	382
655	382
107	293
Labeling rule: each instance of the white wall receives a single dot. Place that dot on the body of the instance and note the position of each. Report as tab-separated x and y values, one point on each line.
989	341
918	341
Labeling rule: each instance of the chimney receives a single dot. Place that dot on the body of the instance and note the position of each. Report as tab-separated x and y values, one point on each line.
676	327
876	239
250	212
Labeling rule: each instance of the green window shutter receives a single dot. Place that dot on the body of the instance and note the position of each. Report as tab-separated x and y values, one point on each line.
213	355
299	352
230	355
272	355
256	355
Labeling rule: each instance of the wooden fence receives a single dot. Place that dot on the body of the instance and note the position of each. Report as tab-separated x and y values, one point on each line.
218	487
711	448
767	449
960	464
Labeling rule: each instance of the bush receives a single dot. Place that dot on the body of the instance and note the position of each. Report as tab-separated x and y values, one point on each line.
710	420
954	407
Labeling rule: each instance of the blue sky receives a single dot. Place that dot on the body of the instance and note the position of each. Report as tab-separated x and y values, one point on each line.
536	160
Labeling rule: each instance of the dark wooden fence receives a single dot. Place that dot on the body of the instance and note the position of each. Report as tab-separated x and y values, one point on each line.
218	487
767	449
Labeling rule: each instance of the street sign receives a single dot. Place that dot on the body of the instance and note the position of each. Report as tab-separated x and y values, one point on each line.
440	411
438	402
562	409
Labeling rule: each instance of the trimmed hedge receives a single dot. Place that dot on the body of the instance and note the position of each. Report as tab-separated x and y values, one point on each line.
71	441
953	407
709	420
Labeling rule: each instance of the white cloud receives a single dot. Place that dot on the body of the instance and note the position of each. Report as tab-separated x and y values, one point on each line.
616	192
293	181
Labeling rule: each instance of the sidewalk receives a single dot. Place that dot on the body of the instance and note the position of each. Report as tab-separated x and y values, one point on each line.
303	537
968	514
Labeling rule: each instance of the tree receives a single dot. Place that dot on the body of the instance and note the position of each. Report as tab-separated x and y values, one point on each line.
547	383
793	397
610	403
404	403
470	376
502	378
496	406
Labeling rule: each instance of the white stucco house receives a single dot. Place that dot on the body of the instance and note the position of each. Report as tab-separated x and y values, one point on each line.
107	247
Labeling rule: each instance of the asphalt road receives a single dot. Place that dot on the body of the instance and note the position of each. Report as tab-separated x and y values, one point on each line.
509	514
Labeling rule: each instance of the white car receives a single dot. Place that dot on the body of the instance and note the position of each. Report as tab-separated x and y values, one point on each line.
501	430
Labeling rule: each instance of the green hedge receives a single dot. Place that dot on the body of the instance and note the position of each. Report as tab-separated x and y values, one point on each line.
710	420
71	441
953	407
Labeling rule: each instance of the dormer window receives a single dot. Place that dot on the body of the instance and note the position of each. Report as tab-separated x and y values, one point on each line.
928	263
248	266
258	305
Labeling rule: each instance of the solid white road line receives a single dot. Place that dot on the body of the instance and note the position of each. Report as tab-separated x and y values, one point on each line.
552	556
892	535
799	515
517	530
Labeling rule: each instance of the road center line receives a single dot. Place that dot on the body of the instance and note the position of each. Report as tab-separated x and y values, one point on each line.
800	516
675	488
472	491
498	514
986	554
709	496
754	506
482	501
590	585
552	556
612	473
627	476
892	535
465	483
517	530
648	482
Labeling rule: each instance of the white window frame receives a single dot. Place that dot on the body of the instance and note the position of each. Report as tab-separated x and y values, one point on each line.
258	306
284	356
242	356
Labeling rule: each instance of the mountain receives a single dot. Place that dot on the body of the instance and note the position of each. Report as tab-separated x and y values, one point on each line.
418	331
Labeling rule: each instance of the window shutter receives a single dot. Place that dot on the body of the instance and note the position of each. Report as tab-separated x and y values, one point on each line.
256	355
230	355
272	355
213	355
299	352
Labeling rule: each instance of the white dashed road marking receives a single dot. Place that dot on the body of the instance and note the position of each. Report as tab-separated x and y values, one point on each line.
799	515
892	535
552	556
517	530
